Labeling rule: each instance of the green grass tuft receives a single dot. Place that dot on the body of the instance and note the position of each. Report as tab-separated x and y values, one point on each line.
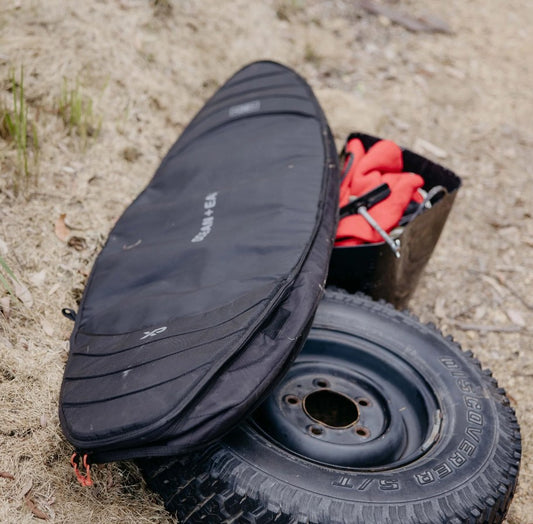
5	271
14	126
77	113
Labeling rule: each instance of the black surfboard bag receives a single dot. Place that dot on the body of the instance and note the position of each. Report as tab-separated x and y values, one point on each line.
207	285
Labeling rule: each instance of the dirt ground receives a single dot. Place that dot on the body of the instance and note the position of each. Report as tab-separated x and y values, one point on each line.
147	69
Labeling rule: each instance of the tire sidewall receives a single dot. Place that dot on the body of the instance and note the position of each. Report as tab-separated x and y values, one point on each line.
468	432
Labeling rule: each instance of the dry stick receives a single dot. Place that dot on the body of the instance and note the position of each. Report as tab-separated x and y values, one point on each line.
515	293
426	24
488	328
495	281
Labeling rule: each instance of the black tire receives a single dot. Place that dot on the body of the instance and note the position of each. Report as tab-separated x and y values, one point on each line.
452	448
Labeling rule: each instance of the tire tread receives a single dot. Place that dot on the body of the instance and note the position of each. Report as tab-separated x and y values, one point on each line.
192	489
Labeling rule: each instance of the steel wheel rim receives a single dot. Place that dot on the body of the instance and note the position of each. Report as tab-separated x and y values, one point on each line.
395	416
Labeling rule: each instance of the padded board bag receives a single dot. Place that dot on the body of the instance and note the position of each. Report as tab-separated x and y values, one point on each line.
206	287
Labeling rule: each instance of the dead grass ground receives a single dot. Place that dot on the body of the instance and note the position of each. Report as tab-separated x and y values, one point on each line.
148	68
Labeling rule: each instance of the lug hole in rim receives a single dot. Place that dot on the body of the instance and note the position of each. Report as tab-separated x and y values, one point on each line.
316	430
364	402
362	431
293	400
321	383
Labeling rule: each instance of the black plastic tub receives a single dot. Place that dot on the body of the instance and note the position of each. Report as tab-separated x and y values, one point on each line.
373	268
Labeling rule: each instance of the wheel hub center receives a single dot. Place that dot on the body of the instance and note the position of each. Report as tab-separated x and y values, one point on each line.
331	409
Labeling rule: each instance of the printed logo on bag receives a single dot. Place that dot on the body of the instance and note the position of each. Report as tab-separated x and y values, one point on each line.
243	109
208	220
148	334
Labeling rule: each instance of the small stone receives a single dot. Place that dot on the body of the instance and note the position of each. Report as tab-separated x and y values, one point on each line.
131	153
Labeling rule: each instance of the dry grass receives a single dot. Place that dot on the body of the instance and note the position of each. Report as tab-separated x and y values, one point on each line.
147	75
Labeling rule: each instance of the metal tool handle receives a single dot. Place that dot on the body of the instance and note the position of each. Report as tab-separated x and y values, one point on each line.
361	205
367	200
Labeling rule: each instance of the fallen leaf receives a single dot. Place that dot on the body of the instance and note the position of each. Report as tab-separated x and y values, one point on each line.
35	509
61	230
6	475
22	293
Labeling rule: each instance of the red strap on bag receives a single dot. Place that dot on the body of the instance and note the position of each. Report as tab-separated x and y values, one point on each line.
83	478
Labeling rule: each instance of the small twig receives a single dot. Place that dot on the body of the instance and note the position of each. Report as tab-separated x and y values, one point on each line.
492	282
515	293
513	328
422	24
425	146
498	282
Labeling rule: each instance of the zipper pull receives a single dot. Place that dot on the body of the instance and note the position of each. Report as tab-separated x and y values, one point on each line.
84	478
